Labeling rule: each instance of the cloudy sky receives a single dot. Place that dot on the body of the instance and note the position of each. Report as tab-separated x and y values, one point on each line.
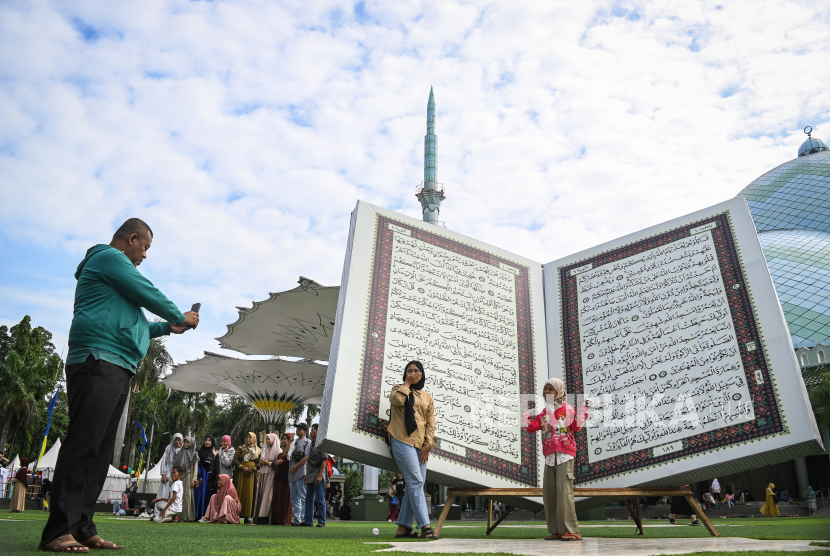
245	131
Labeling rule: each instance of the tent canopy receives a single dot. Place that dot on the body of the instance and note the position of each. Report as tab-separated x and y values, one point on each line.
273	386
113	472
50	458
153	473
294	323
15	463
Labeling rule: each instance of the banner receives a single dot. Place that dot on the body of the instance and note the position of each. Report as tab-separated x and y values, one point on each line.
48	424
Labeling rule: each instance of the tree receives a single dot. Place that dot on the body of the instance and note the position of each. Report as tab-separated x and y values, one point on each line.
148	372
29	371
236	417
820	399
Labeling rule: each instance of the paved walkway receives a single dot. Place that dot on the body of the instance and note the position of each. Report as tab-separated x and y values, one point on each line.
599	546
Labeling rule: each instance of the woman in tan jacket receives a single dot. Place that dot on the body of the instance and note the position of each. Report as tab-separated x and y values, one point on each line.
412	436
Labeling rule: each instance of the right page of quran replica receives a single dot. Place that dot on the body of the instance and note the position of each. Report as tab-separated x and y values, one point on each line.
675	337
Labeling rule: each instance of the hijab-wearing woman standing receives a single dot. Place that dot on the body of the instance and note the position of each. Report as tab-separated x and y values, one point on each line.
21	482
770	507
224	506
558	423
412	436
245	461
226	453
208	472
188	460
281	513
166	465
265	480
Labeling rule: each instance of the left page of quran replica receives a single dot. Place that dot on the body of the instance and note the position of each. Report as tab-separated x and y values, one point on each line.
472	314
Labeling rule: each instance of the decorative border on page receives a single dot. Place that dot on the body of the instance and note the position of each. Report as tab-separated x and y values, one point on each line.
768	419
367	419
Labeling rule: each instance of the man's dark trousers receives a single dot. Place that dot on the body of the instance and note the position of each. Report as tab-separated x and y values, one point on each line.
97	391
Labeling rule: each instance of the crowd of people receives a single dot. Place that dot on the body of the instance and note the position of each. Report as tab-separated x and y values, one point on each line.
284	483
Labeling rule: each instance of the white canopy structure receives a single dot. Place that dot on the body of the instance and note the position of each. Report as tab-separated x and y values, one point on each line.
15	463
49	459
116	483
154	473
273	386
294	323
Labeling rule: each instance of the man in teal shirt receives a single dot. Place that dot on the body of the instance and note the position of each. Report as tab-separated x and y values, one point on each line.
108	337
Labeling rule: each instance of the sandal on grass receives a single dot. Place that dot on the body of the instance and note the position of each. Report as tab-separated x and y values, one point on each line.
571	537
64	543
429	534
98	543
410	534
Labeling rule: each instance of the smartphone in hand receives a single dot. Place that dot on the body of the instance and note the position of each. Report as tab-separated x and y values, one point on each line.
195	308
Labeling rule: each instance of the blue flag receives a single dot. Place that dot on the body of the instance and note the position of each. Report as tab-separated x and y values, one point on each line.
48	424
143	436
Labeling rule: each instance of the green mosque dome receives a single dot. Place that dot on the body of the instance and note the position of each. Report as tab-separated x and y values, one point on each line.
790	206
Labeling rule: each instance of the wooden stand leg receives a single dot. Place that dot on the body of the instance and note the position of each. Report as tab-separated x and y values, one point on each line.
639	515
635	516
496	524
444	512
699	511
490	515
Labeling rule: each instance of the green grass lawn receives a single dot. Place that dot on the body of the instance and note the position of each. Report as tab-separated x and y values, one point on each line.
20	533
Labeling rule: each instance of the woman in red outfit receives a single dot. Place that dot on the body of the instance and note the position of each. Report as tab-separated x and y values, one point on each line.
281	513
558	423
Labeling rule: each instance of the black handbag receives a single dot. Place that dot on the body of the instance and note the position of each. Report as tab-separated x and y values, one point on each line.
315	459
297	456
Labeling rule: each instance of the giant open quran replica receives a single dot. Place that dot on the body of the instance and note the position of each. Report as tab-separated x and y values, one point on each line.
673	337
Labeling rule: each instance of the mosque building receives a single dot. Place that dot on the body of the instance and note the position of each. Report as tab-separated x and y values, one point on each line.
790	206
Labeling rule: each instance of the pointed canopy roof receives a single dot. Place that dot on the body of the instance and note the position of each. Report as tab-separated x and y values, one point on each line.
273	386
294	323
153	474
113	472
50	458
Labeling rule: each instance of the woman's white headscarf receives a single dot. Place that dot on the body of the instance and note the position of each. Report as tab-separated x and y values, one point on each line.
271	452
559	386
170	453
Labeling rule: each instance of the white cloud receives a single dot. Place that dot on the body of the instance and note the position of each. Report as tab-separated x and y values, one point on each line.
244	132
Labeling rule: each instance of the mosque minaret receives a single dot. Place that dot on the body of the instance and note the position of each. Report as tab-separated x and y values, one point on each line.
430	193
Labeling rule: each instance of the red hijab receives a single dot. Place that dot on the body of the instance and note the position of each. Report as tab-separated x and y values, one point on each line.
22	474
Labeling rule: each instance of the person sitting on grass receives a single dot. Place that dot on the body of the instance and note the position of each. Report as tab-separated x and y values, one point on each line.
174	503
708	500
558	423
224	506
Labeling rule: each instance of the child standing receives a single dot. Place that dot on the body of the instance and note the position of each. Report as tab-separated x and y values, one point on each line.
558	423
174	503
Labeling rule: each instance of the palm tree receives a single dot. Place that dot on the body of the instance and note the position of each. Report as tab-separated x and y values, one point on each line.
29	369
23	389
312	411
148	373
